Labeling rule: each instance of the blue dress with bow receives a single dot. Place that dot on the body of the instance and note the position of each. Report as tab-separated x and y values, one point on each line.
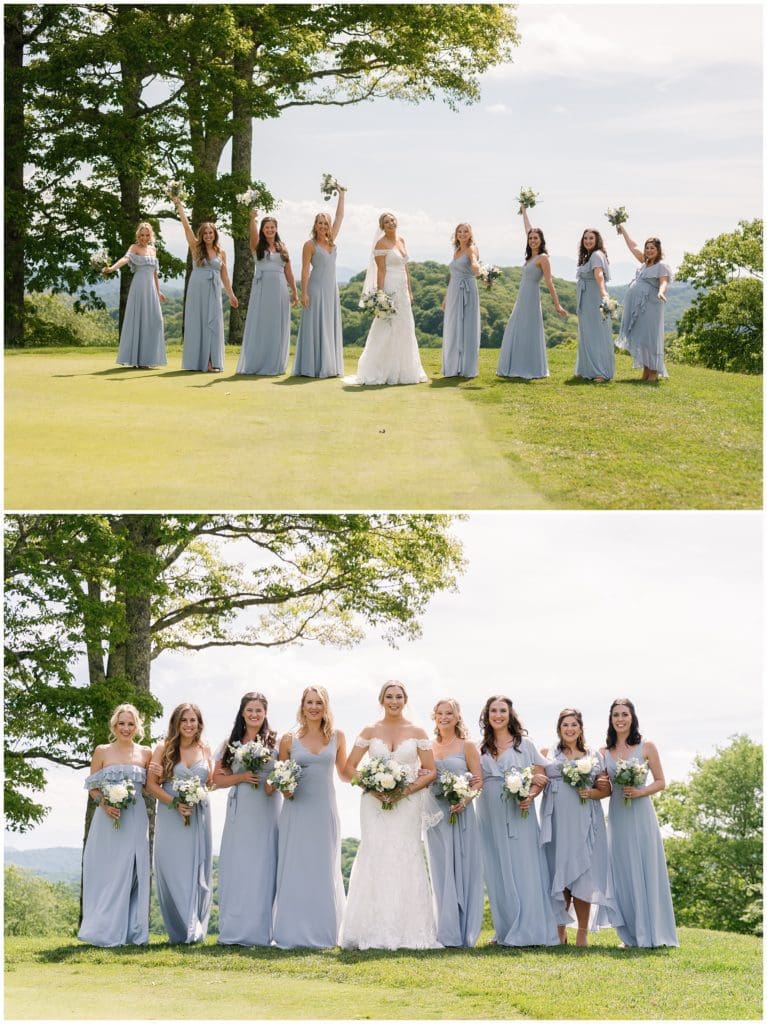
204	318
461	331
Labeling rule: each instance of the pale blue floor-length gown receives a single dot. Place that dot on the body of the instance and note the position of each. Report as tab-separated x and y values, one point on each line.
319	345
310	899
574	839
116	868
516	873
523	349
596	352
642	327
455	863
247	864
266	338
204	318
640	875
461	331
183	858
142	337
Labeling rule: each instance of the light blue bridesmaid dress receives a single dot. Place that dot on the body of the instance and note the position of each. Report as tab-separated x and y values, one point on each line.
266	338
183	858
142	338
204	318
523	349
516	874
645	913
319	346
574	839
455	863
596	352
460	335
310	896
247	863
116	868
642	328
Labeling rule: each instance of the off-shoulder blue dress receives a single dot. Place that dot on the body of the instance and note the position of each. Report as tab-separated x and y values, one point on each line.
142	338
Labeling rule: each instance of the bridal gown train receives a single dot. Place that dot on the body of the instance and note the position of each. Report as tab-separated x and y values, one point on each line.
389	905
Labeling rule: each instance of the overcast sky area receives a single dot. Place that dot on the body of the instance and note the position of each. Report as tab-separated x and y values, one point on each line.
653	107
554	609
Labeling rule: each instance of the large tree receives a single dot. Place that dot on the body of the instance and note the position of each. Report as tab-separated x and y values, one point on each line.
92	600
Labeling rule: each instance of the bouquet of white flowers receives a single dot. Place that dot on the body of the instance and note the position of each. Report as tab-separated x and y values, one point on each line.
454	788
175	190
118	794
100	259
250	757
380	303
189	792
383	775
630	772
329	186
488	273
516	785
617	217
285	775
609	307
580	773
527	198
248	198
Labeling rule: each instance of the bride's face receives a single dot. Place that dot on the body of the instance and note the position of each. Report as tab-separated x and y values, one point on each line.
389	224
393	700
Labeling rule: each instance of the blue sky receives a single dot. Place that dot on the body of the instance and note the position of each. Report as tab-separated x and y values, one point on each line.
653	106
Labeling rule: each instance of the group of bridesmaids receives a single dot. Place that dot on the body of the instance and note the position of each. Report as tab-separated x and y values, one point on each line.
319	345
279	868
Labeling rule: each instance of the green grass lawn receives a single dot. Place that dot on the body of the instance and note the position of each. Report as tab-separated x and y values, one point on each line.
712	975
82	433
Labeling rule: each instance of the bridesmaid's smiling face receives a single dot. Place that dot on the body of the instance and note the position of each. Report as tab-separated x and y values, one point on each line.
189	724
394	700
445	717
621	719
313	706
569	730
534	240
254	714
589	240
209	235
144	236
498	715
125	727
650	252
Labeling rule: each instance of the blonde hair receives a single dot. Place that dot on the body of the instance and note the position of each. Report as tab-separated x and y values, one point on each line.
463	224
323	216
460	726
150	229
383	217
326	725
385	687
131	710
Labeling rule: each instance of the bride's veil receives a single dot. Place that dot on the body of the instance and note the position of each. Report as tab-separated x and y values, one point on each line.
370	284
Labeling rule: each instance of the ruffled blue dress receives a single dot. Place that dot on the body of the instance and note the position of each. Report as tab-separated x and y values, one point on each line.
642	327
142	338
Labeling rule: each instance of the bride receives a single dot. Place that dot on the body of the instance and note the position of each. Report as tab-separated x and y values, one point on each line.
389	905
391	350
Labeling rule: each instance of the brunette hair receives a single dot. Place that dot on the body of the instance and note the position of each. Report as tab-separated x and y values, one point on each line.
460	726
262	246
515	727
265	734
171	754
542	250
326	723
136	718
202	251
580	743
599	246
634	736
385	687
658	246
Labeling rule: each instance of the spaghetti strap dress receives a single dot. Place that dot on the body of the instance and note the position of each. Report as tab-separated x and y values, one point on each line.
523	349
461	331
320	345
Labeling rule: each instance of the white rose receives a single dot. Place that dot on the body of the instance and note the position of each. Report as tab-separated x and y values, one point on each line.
388	781
584	765
118	792
513	783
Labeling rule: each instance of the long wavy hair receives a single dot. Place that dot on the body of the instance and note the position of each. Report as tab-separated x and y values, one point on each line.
658	246
385	687
460	726
515	727
322	216
542	250
262	246
171	754
580	743
326	722
265	733
634	736
202	253
131	710
456	243
583	255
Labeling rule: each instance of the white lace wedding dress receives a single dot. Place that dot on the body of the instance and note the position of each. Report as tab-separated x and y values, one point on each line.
391	350
389	905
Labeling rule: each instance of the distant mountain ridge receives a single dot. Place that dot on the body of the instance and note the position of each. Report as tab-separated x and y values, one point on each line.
54	863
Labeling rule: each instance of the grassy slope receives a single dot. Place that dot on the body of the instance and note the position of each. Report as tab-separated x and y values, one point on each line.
84	434
712	975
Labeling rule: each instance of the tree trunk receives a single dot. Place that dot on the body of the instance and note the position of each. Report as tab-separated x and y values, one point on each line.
242	144
15	217
129	179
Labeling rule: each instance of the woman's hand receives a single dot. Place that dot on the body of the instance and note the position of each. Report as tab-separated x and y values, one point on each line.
161	297
562	312
602	783
250	777
107	270
458	808
662	297
111	812
233	301
305	300
526	804
155	769
632	792
586	793
184	810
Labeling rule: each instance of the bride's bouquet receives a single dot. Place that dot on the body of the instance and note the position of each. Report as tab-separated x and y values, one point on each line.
380	303
454	788
118	794
516	785
330	186
580	773
488	273
249	757
630	772
527	198
617	217
383	775
285	775
189	792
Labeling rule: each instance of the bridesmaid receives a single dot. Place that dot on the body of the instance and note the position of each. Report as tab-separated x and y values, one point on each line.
247	864
142	338
310	896
266	339
523	349
573	834
596	352
183	855
645	914
642	328
455	858
116	861
516	874
203	348
319	346
460	335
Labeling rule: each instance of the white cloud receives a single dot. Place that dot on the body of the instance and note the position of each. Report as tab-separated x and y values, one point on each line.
498	108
